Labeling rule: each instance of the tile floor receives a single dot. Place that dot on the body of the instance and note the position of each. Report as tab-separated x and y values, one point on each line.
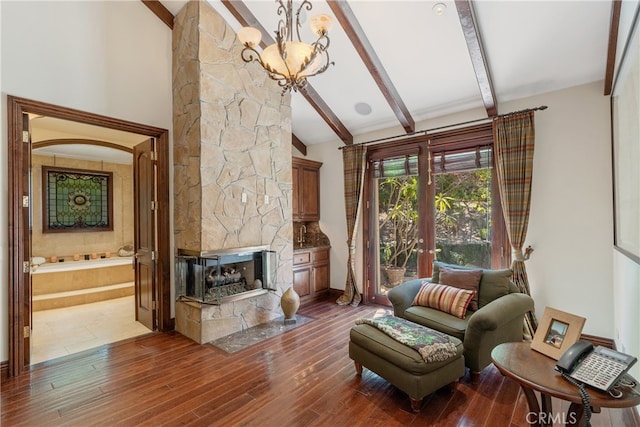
69	330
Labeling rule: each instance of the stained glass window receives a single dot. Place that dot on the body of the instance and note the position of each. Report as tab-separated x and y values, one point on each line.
76	200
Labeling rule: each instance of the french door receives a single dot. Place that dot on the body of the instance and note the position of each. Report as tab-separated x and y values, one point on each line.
427	199
145	177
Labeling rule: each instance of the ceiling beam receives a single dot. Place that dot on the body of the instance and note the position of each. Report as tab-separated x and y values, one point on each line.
244	16
325	112
616	5
298	144
160	11
478	57
351	26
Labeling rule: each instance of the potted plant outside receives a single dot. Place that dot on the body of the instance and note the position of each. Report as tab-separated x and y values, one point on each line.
398	226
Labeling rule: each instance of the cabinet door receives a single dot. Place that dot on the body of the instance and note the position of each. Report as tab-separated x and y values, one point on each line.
295	196
320	278
302	280
310	195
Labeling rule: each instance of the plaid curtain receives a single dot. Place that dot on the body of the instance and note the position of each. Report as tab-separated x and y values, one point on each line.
353	158
513	141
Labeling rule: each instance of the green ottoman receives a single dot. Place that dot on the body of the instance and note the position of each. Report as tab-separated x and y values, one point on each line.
401	365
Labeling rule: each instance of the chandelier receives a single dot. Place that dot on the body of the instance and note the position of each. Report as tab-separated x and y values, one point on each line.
290	62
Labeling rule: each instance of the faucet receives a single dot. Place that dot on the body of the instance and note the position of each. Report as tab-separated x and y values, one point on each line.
303	231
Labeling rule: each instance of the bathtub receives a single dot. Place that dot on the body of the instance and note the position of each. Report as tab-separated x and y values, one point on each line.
62	284
53	267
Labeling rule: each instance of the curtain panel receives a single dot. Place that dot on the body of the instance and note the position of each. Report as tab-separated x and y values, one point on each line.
354	164
514	137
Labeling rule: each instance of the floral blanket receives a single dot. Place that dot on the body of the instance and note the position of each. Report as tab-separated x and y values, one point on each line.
432	345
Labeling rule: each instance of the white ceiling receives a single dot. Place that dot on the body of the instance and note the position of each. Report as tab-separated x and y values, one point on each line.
531	47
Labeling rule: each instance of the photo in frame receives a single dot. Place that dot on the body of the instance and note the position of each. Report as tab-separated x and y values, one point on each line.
625	138
556	332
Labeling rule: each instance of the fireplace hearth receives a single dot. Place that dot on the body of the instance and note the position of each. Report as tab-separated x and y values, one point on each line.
226	275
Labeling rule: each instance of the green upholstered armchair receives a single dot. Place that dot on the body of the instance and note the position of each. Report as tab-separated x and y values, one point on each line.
499	317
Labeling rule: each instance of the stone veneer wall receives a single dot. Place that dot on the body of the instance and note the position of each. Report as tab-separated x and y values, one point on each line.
232	136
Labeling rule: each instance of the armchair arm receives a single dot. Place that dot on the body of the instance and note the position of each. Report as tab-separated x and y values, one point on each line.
402	295
500	311
499	321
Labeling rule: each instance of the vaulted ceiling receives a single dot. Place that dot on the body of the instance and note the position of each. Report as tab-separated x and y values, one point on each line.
409	63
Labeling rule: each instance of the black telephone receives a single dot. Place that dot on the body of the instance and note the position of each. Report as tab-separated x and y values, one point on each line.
601	368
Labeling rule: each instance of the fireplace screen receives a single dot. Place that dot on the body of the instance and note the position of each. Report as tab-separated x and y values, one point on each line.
215	277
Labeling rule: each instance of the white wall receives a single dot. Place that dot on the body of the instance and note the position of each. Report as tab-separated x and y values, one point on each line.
571	223
111	58
571	215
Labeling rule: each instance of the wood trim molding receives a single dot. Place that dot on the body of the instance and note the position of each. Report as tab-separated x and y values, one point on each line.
160	11
244	16
334	293
356	34
16	277
18	227
50	142
4	371
478	57
614	25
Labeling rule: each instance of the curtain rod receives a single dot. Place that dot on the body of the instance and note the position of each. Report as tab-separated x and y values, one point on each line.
542	107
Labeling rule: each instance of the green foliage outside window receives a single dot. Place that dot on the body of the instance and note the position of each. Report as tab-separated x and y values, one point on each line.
398	215
462	214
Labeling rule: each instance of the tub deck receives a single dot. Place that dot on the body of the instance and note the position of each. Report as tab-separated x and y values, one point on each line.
64	284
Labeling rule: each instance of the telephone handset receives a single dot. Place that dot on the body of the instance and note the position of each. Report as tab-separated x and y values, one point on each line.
601	367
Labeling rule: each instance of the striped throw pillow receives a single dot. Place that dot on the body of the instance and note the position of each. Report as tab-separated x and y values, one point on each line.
444	298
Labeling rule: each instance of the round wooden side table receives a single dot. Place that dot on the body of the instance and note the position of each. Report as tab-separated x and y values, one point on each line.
534	371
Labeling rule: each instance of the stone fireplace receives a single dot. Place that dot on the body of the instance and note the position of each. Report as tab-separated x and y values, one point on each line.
226	275
232	167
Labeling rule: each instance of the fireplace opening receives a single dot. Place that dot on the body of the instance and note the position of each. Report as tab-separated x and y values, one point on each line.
216	277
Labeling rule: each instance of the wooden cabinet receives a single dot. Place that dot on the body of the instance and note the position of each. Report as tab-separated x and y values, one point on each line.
320	271
311	273
302	273
306	189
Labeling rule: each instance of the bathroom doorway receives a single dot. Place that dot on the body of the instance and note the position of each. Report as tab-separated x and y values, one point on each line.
20	290
82	276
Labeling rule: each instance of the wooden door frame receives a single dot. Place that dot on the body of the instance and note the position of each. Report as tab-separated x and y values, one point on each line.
19	228
415	145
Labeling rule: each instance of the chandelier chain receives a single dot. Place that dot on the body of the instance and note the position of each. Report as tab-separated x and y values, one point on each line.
287	61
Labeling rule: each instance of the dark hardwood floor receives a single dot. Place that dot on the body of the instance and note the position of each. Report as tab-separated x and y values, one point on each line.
303	377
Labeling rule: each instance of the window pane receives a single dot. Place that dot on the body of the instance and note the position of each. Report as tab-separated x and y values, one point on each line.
448	161
463	217
397	166
397	231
